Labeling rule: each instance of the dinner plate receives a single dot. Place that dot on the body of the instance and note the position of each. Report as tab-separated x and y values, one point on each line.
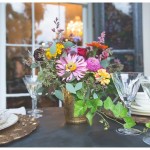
140	113
10	121
143	108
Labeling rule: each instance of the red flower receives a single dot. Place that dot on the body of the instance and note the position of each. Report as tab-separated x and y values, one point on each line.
82	51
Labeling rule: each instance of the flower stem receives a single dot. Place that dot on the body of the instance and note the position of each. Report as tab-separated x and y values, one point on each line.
101	113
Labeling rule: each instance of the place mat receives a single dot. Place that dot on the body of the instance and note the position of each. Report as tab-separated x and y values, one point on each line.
22	128
137	118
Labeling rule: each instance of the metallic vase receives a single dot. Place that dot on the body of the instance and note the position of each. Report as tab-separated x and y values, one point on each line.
69	110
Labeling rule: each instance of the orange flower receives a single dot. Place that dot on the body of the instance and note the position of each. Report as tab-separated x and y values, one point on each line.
97	45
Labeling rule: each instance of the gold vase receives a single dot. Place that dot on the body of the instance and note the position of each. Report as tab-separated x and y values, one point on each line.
69	110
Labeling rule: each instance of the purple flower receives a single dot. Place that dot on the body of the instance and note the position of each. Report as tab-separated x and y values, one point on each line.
60	30
102	37
93	64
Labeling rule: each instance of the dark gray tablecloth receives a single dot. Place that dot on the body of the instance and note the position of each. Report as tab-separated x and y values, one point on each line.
53	132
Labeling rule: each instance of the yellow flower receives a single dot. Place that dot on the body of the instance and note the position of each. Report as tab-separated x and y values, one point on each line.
102	76
59	48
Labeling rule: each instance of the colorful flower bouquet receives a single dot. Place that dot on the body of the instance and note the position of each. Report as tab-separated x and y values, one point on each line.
82	72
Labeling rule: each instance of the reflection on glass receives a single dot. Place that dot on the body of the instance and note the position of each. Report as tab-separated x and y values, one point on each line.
119	25
45	14
16	69
18	23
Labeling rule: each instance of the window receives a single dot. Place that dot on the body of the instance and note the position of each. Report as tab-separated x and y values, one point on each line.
123	25
27	26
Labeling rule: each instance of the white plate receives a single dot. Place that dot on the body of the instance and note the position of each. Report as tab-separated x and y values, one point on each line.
140	113
10	121
141	108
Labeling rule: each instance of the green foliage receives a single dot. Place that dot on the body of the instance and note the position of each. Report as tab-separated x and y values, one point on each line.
34	65
108	104
147	124
129	122
90	116
70	88
119	111
53	48
78	86
79	108
95	96
68	44
105	63
59	94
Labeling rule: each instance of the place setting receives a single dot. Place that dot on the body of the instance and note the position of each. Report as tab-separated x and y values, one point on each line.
15	124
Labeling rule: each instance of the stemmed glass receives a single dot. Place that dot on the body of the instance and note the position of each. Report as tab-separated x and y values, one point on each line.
127	85
32	83
145	82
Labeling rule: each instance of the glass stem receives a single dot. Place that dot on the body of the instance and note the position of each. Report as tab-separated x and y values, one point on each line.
34	104
129	110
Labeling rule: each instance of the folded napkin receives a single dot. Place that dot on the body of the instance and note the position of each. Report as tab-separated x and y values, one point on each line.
20	110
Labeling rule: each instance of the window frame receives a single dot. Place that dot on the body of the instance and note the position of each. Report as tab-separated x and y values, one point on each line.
87	26
99	24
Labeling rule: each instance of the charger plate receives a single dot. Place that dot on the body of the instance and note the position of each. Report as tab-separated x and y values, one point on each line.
12	119
138	118
22	128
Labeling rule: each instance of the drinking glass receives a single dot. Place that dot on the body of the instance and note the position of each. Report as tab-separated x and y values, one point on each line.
32	83
127	85
145	82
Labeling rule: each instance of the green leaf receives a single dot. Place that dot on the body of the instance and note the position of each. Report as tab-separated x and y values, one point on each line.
68	44
99	102
59	94
70	88
34	65
95	96
78	86
80	94
79	108
93	109
108	104
90	116
147	124
129	122
120	111
105	63
53	48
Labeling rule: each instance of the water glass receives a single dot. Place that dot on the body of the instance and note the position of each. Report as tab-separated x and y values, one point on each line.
127	85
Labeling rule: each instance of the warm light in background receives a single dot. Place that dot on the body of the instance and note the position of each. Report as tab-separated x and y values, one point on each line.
75	27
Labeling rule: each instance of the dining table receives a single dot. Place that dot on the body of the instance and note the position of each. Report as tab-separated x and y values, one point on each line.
53	131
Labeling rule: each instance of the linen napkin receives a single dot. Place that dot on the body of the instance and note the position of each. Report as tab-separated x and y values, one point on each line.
20	110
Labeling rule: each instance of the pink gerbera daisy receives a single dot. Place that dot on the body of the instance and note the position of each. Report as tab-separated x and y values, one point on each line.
75	65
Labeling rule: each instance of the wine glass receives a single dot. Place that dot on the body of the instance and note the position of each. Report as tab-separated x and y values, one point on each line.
32	83
145	82
127	85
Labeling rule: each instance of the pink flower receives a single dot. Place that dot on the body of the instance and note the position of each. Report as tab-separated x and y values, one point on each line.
93	64
72	66
104	55
102	37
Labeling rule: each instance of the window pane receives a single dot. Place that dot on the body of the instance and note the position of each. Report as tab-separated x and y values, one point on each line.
18	23
16	69
70	17
127	59
119	25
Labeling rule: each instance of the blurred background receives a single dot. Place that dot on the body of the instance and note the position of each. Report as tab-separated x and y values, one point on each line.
24	26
